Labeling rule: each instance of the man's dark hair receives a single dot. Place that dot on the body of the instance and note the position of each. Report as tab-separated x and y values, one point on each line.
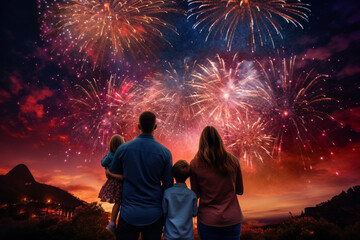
147	121
181	171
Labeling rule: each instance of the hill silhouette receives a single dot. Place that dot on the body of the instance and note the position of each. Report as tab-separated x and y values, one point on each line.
19	184
342	209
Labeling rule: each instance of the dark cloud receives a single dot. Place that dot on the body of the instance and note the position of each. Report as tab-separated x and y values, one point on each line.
349	70
349	117
31	104
336	44
4	96
16	83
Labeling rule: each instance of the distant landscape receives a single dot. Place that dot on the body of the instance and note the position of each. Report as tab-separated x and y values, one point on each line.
31	210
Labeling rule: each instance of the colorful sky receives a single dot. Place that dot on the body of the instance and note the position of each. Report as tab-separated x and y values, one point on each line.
36	86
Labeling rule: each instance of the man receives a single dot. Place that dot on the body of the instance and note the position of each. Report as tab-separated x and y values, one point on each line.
146	166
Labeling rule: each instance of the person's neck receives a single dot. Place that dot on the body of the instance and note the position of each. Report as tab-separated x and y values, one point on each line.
179	182
147	133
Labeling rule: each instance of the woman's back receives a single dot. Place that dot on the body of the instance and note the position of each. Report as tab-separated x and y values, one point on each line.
217	191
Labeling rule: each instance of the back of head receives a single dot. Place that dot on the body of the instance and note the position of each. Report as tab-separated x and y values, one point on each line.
213	153
115	142
181	171
147	122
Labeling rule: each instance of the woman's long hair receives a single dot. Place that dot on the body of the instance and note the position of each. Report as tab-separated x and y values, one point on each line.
213	153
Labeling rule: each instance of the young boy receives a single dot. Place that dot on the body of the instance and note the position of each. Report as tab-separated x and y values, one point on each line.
179	205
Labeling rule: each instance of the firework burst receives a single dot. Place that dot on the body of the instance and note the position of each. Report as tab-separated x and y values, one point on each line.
220	90
249	140
99	112
262	18
171	93
293	104
105	28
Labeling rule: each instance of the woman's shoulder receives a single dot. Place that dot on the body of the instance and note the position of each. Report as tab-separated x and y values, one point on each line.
194	163
234	159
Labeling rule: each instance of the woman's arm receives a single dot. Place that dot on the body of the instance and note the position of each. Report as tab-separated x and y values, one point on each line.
113	175
193	180
239	181
195	207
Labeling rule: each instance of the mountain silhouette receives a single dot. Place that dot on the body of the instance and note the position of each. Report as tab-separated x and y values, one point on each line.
20	170
342	209
19	184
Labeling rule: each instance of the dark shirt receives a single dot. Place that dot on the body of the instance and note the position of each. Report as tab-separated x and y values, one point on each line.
218	206
179	208
146	166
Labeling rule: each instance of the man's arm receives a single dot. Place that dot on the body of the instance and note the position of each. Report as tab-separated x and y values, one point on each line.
164	206
167	180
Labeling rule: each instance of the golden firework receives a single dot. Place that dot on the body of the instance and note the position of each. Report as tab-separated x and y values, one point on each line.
106	28
262	18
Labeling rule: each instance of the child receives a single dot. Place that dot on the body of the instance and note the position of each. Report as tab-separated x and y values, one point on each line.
179	205
112	189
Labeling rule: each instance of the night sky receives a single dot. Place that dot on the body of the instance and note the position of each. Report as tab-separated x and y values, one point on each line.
39	85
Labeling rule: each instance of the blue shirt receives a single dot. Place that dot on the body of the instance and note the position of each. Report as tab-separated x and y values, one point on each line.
146	166
179	207
107	160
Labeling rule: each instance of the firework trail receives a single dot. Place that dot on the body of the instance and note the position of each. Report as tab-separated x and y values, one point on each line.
220	89
293	104
102	29
170	92
99	112
263	18
249	140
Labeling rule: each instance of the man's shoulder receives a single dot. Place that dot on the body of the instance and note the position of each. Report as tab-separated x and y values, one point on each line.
127	144
161	148
165	149
139	143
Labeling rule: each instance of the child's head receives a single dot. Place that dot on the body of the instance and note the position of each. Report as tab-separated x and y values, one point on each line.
115	142
181	171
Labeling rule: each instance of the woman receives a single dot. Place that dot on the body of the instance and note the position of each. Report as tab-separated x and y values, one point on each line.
216	179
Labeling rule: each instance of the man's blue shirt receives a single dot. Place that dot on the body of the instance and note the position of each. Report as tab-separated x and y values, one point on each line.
179	207
146	166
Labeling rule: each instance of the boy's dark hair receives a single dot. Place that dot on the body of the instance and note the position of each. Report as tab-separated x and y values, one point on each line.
147	121
181	171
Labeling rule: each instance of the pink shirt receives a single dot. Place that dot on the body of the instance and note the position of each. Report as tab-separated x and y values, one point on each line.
219	206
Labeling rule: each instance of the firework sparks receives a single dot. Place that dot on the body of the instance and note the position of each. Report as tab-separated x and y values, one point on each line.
262	17
249	140
221	90
171	93
293	103
98	113
106	28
